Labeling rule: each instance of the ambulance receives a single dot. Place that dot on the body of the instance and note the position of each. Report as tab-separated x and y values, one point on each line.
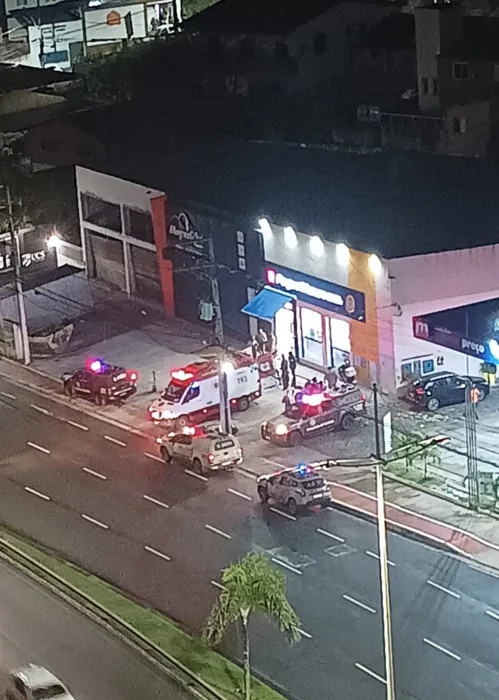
192	396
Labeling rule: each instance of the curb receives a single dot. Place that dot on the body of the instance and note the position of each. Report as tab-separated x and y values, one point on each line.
424	489
50	394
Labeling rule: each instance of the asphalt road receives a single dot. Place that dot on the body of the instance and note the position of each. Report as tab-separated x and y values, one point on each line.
104	498
38	628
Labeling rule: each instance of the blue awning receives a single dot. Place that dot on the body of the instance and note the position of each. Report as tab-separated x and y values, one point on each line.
267	303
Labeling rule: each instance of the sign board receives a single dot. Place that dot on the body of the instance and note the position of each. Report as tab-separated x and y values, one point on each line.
181	231
387	433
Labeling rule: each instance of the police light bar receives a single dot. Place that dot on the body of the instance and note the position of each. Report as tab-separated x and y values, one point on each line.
312	399
181	376
95	365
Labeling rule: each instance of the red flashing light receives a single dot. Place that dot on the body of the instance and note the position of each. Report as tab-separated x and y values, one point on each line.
210	458
133	376
420	392
312	399
95	365
233	401
181	376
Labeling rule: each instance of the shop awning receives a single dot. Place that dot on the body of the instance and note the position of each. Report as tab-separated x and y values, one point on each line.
266	303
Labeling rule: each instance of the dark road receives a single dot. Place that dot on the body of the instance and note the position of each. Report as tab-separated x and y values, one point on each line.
38	628
103	497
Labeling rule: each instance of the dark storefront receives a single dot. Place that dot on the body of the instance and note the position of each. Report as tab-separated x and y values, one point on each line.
239	261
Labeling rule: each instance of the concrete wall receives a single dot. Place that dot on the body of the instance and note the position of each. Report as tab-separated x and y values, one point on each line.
113	189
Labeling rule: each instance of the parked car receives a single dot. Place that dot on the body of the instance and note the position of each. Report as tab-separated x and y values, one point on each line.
443	389
202	450
101	382
298	487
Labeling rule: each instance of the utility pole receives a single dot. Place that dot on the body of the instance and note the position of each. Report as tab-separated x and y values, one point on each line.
471	447
383	559
16	258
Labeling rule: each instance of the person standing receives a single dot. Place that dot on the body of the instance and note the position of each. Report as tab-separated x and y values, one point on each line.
292	368
284	373
331	378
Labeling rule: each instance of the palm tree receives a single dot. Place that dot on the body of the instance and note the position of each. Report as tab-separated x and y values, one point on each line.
251	585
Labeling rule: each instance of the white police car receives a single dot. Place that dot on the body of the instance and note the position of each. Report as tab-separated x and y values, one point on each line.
298	487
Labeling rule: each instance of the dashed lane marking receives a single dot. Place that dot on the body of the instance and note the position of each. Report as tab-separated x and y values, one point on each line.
370	673
98	475
241	495
156	553
155	501
40	409
8	396
218	532
286	566
359	604
373	555
77	425
196	476
305	634
493	614
37	493
116	442
281	512
37	447
443	589
94	521
442	649
154	457
329	534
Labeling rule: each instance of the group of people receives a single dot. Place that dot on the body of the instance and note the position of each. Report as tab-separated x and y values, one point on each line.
262	343
287	370
333	378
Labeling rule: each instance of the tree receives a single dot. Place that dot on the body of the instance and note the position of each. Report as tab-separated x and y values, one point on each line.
251	585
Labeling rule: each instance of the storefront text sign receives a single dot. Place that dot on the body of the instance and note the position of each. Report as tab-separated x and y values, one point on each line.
327	295
27	259
180	227
440	335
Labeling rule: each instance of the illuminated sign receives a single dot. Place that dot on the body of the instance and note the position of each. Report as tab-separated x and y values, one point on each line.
113	18
327	295
439	335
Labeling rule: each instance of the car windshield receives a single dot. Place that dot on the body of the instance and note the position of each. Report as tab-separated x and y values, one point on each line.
173	393
48	691
314	483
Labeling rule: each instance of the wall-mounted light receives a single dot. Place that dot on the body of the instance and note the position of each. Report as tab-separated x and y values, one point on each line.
264	227
290	238
494	348
316	246
342	254
54	241
375	264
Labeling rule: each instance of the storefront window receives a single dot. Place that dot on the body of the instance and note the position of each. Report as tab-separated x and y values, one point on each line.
284	322
340	341
311	336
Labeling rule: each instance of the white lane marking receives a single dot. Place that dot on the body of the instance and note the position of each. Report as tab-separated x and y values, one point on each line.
247	474
196	476
329	534
376	556
443	589
96	474
7	395
305	634
218	585
281	512
442	649
158	554
116	442
155	501
241	495
37	447
274	463
287	566
40	409
37	493
357	602
218	532
369	672
493	614
155	457
95	522
77	425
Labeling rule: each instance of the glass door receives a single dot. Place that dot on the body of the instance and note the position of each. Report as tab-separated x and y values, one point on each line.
340	345
312	337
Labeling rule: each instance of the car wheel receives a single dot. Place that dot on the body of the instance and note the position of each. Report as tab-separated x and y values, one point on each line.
165	454
347	421
181	422
433	404
292	507
243	403
263	493
481	394
197	466
295	439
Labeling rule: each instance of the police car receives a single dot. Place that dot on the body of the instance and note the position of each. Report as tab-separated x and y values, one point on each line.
298	487
201	449
100	382
315	414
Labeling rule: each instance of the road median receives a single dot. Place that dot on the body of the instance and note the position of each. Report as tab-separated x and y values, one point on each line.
194	666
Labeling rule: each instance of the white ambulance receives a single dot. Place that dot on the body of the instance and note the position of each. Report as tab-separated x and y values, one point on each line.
192	396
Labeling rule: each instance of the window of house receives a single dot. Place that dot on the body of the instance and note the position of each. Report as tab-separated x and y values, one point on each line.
320	43
460	71
434	86
460	125
280	50
101	213
424	86
138	224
